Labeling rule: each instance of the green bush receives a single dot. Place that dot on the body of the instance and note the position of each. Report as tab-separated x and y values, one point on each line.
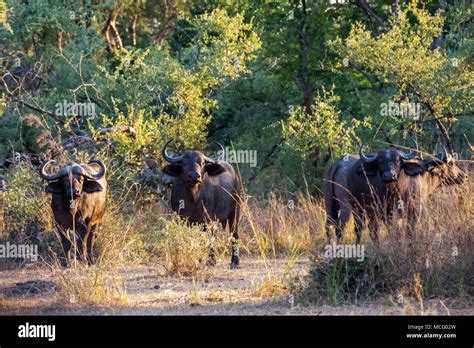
27	214
184	249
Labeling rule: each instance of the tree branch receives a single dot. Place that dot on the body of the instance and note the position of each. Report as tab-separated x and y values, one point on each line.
362	4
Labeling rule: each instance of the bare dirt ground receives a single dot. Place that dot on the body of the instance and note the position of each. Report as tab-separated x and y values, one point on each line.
217	291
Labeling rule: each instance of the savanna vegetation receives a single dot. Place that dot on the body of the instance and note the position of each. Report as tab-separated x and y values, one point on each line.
298	82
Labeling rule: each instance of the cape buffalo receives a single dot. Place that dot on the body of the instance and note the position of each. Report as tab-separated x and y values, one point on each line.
373	183
413	192
389	180
360	185
336	195
79	193
205	189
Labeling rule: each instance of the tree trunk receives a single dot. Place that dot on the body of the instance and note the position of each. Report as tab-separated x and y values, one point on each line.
133	30
441	6
110	30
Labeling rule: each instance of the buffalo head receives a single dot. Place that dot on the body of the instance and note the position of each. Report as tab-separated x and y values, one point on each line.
73	179
446	168
390	162
192	165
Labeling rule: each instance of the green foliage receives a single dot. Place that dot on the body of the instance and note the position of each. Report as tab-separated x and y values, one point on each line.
236	71
403	57
182	88
322	128
25	218
343	281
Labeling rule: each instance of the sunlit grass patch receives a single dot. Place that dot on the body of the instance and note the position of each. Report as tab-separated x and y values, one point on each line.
90	286
435	262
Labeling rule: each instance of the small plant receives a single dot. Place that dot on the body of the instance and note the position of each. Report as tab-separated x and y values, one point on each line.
90	286
25	208
186	250
341	281
281	227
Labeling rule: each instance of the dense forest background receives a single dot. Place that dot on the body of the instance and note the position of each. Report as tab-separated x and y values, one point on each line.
301	82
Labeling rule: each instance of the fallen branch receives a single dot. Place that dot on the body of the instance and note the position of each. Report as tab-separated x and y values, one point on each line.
30	106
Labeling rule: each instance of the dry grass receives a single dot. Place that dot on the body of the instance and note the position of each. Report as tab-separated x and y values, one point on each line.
183	249
281	227
436	262
90	286
118	240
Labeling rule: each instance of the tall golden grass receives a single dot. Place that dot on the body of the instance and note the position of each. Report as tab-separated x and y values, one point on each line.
438	261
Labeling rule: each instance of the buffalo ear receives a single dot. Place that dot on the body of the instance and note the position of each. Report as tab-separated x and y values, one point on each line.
213	169
430	164
369	169
92	186
55	187
173	169
413	168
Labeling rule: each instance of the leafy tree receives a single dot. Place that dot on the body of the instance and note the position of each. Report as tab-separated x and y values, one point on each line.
251	74
404	57
306	132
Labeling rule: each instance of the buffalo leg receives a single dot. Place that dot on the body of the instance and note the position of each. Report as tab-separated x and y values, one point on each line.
332	220
234	261
66	246
90	246
82	231
345	215
328	231
359	224
81	248
85	244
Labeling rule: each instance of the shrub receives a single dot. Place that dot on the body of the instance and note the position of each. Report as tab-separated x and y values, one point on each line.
184	249
90	286
27	217
436	261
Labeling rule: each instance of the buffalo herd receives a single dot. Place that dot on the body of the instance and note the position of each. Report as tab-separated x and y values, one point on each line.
369	187
372	188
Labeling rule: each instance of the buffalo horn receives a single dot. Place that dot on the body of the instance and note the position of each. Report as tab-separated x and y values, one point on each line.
54	176
412	154
366	159
167	157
